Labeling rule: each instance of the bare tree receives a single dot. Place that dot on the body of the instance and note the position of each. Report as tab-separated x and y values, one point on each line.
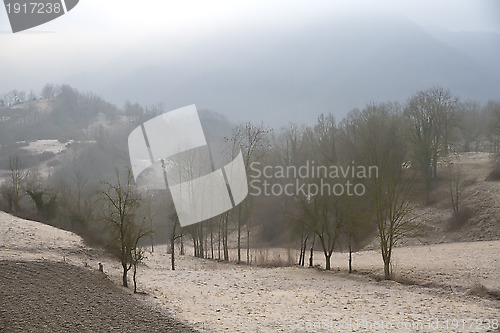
137	250
289	150
383	146
423	145
447	107
455	186
492	113
80	180
224	231
471	125
121	204
433	115
320	212
357	211
138	255
149	213
253	141
174	235
49	91
356	223
14	189
301	224
44	199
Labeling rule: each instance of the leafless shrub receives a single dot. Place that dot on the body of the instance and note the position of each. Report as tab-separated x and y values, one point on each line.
263	259
457	221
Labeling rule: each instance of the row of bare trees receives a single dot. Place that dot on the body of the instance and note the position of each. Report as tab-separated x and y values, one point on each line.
405	143
373	137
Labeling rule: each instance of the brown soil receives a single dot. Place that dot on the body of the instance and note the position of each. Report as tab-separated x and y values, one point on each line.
38	296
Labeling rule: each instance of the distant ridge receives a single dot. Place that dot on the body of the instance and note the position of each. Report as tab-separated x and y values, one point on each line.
294	76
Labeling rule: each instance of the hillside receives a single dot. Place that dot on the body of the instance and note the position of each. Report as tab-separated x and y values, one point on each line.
479	197
47	269
73	128
67	115
441	282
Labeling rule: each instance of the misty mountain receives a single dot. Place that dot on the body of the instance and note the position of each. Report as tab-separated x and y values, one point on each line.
296	75
483	47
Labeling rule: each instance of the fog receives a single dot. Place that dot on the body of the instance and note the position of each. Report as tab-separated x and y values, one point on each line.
358	138
267	61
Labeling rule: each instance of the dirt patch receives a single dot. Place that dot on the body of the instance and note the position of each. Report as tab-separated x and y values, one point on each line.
57	297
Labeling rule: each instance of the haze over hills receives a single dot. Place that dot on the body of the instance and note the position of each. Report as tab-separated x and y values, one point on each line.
297	75
484	47
396	210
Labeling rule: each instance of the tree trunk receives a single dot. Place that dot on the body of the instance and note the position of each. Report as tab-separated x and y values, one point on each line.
434	159
172	254
205	247
124	276
303	249
312	253
248	242
212	240
182	245
387	270
226	250
327	259
445	141
200	242
219	239
134	278
239	234
311	257
386	257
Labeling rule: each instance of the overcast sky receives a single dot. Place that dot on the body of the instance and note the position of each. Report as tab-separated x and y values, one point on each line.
97	33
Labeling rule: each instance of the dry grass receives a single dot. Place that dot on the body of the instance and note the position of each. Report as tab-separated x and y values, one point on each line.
263	258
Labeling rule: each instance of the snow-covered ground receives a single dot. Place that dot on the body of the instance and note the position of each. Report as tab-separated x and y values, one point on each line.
222	297
41	146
